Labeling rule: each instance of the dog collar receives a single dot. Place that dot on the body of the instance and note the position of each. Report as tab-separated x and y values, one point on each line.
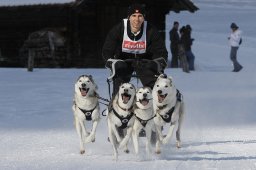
162	107
88	113
130	109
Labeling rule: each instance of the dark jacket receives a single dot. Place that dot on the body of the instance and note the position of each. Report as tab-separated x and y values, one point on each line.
174	38
112	47
186	40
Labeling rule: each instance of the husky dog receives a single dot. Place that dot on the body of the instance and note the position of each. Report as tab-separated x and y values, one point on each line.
169	108
85	107
121	117
144	115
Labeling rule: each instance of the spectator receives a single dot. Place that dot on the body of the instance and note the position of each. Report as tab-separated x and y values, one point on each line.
189	42
235	40
174	39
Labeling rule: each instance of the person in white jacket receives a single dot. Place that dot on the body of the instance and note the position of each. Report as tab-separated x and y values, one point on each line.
235	41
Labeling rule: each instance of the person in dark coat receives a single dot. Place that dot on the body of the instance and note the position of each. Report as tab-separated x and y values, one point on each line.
174	39
134	38
187	41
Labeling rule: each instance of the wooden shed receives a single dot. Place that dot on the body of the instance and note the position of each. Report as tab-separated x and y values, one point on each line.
81	26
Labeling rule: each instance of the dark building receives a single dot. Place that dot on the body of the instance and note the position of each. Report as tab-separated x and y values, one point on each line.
70	34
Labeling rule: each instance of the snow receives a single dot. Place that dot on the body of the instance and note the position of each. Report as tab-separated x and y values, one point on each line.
32	2
36	120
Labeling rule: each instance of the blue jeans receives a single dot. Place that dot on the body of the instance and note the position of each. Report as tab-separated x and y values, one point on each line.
233	57
191	59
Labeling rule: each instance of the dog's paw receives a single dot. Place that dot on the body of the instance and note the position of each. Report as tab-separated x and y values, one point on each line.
82	152
127	151
178	144
158	151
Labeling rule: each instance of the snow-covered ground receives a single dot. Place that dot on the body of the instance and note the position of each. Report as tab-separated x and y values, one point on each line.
36	121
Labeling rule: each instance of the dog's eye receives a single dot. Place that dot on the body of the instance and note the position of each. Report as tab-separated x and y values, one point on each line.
80	81
131	87
140	92
157	85
88	81
166	86
147	91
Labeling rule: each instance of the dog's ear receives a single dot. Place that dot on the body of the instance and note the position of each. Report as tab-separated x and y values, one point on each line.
90	76
170	79
163	76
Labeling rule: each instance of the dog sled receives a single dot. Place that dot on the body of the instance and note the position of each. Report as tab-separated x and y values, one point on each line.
134	78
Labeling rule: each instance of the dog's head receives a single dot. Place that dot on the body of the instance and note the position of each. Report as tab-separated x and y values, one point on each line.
85	86
126	95
144	98
163	89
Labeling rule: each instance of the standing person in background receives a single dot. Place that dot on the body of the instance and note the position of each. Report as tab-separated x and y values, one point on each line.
188	41
235	40
174	39
182	53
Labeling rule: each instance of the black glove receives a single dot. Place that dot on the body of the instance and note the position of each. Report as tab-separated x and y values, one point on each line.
157	65
161	64
110	64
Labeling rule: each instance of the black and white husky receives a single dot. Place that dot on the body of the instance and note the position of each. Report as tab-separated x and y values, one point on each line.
121	117
169	108
85	108
144	115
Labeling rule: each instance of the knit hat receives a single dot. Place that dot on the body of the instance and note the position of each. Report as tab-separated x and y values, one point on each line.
188	27
233	25
182	29
175	22
136	8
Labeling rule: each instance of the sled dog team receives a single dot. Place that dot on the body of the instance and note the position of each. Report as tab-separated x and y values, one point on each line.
130	110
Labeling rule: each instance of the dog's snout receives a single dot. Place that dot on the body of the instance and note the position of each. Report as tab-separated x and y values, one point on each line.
83	85
125	90
144	94
159	91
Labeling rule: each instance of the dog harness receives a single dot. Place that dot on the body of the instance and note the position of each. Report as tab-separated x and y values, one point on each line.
88	113
124	120
168	116
144	122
